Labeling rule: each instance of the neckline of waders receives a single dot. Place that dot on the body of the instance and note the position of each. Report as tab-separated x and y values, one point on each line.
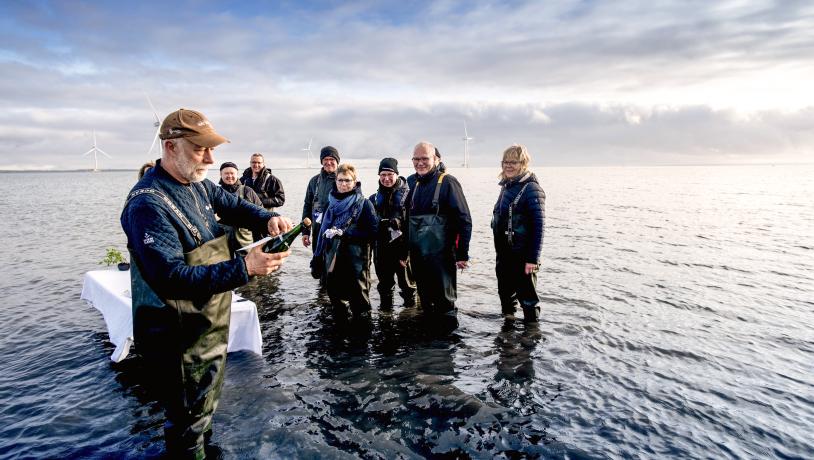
435	195
196	234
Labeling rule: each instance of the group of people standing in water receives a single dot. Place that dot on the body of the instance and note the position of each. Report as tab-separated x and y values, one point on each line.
416	230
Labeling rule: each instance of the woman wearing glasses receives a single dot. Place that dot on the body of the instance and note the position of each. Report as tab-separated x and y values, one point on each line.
349	227
518	222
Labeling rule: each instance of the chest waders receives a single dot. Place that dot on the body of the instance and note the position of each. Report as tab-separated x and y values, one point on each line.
184	343
347	268
433	257
243	236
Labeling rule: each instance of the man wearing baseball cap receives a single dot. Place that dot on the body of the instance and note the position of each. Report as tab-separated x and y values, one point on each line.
183	274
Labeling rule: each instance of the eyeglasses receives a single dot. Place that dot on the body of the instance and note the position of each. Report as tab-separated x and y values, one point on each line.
344	180
257	162
421	160
510	163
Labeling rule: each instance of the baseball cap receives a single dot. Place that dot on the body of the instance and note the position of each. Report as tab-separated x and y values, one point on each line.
191	125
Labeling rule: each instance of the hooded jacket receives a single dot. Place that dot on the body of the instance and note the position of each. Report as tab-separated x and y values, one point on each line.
267	186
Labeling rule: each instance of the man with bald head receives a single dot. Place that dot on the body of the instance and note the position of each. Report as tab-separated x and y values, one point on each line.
439	230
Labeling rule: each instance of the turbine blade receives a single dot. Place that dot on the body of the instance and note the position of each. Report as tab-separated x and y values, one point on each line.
155	114
155	139
89	151
104	153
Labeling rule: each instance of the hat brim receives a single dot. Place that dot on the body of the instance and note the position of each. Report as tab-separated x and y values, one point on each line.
209	140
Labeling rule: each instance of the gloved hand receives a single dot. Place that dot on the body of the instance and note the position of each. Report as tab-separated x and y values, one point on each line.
332	232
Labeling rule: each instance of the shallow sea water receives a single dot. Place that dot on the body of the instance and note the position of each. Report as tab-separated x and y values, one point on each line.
677	322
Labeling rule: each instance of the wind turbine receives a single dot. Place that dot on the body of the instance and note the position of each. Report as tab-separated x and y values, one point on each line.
156	124
308	154
466	140
94	150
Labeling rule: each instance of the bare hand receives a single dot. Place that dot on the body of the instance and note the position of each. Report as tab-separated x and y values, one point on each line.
531	268
462	264
306	240
403	263
261	263
278	225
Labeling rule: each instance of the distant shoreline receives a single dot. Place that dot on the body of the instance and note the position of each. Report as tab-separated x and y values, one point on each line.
12	171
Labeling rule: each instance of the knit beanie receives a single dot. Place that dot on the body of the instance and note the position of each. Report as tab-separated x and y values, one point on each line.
228	164
329	151
389	164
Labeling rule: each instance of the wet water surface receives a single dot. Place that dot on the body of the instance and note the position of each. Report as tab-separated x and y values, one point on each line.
677	319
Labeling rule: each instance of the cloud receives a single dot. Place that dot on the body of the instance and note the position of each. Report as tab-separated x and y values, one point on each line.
584	82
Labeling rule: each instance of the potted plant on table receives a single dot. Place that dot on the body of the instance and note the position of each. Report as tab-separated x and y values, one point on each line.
113	256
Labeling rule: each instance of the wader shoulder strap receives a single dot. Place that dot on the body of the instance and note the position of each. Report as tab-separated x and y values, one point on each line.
434	196
510	231
192	229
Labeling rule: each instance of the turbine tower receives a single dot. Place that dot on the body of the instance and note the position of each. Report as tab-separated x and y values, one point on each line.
94	150
466	140
156	124
308	154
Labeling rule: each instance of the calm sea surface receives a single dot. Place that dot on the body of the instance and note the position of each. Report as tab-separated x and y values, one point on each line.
678	321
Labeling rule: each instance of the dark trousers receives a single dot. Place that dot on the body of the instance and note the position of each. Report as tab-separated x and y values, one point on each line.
436	282
514	285
348	280
388	267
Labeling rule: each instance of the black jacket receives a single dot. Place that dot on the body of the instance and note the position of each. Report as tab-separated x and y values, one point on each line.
528	217
267	186
451	203
389	204
316	196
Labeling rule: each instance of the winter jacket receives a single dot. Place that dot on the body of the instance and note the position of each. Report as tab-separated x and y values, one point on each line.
365	227
528	216
451	203
267	186
158	239
316	195
389	204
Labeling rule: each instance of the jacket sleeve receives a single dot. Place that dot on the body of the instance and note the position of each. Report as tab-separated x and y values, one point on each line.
308	204
461	218
251	195
535	207
152	237
274	193
239	212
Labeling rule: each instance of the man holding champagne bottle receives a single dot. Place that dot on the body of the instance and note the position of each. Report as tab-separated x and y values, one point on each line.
183	274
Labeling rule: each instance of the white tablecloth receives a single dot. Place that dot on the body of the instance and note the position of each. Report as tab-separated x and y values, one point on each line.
109	292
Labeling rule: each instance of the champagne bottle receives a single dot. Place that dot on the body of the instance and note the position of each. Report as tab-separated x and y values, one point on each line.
281	243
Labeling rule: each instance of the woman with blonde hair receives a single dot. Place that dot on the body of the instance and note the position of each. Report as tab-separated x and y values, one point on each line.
343	246
518	222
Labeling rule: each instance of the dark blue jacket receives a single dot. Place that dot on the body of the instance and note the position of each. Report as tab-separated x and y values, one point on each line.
528	217
451	203
389	204
157	238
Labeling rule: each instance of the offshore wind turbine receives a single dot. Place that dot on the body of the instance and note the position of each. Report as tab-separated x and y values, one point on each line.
156	124
308	154
94	150
466	140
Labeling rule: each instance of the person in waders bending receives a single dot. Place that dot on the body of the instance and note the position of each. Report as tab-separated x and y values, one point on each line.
183	274
439	230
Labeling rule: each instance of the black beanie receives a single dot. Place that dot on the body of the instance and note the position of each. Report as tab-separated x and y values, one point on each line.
329	151
228	164
389	164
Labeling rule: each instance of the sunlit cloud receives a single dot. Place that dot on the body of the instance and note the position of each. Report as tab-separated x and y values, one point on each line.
583	82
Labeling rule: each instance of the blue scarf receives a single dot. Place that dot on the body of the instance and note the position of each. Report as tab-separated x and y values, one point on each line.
338	214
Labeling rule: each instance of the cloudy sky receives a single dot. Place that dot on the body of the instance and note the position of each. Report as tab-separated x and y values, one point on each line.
578	82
